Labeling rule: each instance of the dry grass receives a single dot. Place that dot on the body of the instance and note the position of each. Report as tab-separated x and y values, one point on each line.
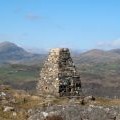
24	102
107	102
21	115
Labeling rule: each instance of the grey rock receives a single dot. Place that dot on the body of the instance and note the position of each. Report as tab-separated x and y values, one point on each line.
7	109
77	112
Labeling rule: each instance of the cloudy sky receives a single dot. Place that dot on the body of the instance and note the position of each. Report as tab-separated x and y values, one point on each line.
77	24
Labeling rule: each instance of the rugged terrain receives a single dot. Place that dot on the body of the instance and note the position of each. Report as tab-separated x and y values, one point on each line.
21	105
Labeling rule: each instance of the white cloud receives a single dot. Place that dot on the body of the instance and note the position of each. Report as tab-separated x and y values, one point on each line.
116	43
109	45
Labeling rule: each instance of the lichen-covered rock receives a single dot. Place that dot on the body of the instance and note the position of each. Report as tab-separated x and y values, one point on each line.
59	75
77	112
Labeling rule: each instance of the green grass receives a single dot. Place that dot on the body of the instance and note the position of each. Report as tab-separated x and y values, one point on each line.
24	75
17	74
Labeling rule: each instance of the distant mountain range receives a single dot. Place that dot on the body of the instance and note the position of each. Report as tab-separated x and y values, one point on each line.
11	53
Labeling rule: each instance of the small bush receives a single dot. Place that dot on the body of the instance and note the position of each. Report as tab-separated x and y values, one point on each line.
53	118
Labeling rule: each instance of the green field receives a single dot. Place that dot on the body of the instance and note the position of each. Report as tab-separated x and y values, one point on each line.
18	74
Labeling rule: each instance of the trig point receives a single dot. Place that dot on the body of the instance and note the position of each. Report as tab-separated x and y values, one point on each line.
59	75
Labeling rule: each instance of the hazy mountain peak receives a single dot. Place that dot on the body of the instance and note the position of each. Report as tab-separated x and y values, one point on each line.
115	51
9	47
11	53
94	52
7	43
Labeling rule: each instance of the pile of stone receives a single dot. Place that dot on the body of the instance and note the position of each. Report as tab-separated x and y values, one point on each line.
59	75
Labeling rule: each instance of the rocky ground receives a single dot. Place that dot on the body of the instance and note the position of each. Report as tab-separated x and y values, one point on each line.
20	105
76	112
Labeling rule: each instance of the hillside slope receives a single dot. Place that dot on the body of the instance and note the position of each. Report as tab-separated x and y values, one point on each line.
11	53
98	56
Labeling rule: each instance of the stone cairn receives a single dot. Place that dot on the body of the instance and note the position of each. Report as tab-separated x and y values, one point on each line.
59	76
